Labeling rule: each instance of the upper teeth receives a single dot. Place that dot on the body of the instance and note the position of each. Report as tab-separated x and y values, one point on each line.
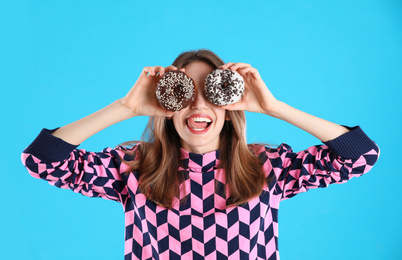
201	119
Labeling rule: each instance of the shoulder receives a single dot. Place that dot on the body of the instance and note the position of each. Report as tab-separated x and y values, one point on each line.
129	151
270	151
274	156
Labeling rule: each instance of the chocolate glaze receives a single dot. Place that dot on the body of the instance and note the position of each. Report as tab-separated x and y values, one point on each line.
175	90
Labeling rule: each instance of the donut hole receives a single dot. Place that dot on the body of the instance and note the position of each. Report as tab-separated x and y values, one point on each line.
225	84
178	90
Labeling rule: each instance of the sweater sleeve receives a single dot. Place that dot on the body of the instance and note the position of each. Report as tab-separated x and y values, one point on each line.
337	161
62	165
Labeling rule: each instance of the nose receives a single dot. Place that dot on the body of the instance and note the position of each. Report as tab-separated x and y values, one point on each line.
199	101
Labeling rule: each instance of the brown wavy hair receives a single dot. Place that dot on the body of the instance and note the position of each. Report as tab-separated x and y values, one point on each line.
159	152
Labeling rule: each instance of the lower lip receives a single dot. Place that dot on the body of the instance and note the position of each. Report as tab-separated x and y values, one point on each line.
198	132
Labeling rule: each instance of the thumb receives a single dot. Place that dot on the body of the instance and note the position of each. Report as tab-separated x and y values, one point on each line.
234	106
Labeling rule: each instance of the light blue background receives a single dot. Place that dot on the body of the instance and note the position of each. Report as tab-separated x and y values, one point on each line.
340	60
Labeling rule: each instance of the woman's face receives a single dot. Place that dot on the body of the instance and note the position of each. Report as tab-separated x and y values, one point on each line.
199	124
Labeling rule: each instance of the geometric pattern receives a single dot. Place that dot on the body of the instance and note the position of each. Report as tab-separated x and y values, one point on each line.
201	227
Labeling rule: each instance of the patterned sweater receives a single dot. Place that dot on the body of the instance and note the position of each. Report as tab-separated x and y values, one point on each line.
202	227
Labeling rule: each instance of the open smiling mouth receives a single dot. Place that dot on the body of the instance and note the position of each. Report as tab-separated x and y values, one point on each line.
198	124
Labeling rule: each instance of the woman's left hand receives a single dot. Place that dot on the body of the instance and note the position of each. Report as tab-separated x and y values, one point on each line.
256	96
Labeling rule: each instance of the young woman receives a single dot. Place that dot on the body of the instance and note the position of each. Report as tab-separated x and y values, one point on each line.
192	188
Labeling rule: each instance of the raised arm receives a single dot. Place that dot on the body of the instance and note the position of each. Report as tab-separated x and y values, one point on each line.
140	100
345	153
258	98
53	156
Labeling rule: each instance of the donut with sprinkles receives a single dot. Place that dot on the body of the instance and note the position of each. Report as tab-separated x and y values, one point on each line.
224	87
175	90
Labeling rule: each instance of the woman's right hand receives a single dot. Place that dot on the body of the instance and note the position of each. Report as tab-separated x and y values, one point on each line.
141	99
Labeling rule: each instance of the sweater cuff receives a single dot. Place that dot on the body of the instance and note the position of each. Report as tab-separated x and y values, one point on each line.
352	144
49	148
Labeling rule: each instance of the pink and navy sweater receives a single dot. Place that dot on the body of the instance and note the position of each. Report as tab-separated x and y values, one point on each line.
202	227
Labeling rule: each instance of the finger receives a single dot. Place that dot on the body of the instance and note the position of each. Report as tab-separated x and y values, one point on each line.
169	113
243	73
162	71
245	70
235	106
254	72
239	66
158	69
169	68
248	72
151	71
145	70
165	113
226	66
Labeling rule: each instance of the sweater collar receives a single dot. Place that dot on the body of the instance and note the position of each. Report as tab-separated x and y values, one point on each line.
199	162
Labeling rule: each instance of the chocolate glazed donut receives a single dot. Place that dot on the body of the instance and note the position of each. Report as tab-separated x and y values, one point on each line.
175	90
224	87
